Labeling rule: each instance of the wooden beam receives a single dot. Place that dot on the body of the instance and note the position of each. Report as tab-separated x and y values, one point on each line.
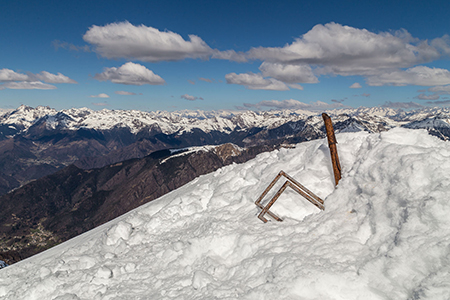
333	149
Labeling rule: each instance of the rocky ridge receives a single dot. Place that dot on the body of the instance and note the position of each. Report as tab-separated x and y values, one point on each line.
59	206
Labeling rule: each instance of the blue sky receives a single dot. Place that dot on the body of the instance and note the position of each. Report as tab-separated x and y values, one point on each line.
209	55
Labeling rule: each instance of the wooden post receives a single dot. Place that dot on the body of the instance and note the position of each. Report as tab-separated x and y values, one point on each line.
332	145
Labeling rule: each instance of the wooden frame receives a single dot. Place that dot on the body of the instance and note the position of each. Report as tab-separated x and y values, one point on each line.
292	183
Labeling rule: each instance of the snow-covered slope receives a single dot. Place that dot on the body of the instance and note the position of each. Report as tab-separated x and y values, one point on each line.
433	122
384	234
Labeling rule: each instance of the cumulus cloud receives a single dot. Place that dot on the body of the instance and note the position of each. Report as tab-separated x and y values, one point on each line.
10	75
52	78
288	73
443	44
125	93
356	85
419	75
292	104
347	50
20	81
102	95
383	58
254	81
130	74
124	40
403	105
335	49
190	98
28	85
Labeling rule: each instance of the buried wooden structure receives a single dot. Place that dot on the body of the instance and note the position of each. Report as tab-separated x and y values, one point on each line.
292	183
295	185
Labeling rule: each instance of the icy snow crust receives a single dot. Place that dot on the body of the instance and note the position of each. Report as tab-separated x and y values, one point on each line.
384	234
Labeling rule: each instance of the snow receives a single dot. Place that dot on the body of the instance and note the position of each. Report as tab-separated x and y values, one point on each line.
375	119
186	151
177	122
2	264
384	233
430	123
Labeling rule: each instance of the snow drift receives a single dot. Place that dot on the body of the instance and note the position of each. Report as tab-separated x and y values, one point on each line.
384	234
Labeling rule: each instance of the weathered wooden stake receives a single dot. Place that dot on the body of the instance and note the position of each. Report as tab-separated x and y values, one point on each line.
332	145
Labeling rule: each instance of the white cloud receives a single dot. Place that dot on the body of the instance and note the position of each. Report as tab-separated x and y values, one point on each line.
347	50
10	75
330	49
356	85
292	104
443	102
130	74
343	50
190	98
125	93
206	79
124	40
441	90
288	73
295	86
52	78
65	45
254	81
229	55
427	97
419	75
437	92
28	85
338	101
102	95
443	44
404	105
29	81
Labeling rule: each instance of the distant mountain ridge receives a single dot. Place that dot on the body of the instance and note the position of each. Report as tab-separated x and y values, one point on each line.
20	120
35	142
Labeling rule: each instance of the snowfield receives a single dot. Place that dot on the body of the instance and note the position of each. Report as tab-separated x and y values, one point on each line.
384	234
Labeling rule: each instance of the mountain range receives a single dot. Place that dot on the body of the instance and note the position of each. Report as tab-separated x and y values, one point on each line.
35	142
65	172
